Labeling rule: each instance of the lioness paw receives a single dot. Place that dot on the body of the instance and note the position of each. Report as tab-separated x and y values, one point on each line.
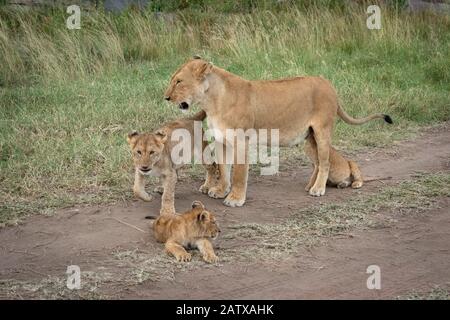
210	258
234	200
317	192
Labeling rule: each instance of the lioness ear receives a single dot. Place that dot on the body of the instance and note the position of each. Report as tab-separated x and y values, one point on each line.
132	136
203	69
196	57
161	135
198	204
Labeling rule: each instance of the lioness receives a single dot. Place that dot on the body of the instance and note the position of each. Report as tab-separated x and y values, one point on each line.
342	172
191	229
152	156
292	105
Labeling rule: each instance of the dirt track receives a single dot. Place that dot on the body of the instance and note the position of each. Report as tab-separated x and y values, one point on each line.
413	253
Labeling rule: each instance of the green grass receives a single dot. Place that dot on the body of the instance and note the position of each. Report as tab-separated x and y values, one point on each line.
68	97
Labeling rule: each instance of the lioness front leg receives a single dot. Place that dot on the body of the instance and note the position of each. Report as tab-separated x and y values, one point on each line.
206	249
237	196
169	181
139	187
177	251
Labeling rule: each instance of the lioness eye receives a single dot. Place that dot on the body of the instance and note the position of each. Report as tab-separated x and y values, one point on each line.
178	81
139	152
152	152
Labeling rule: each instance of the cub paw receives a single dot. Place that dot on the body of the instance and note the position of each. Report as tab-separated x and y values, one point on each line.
357	184
343	184
218	192
204	188
183	257
143	196
159	189
210	258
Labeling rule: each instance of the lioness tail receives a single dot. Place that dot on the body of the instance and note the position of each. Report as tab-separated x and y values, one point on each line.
350	120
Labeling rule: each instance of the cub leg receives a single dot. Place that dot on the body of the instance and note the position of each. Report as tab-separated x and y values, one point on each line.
356	174
177	251
169	181
212	174
207	251
139	187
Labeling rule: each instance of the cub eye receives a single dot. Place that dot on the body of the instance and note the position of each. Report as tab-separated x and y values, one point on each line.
152	152
178	81
139	152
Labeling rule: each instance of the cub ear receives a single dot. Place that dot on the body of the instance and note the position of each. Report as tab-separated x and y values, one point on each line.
196	57
203	69
198	204
132	136
201	216
161	135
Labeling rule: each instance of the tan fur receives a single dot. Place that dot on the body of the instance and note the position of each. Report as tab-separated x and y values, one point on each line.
292	105
152	152
343	172
192	229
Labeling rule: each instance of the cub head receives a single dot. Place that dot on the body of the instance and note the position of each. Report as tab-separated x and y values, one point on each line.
147	149
205	223
189	83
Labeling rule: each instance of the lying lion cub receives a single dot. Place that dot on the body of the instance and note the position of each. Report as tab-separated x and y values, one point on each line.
342	173
152	157
191	229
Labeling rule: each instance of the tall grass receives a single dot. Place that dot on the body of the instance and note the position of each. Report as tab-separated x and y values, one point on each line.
68	97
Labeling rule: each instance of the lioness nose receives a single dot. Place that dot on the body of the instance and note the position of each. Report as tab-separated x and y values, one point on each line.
167	98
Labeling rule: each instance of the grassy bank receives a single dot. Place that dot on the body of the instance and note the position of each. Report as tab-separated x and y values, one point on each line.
68	97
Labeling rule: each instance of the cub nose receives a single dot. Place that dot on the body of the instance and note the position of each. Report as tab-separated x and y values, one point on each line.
167	98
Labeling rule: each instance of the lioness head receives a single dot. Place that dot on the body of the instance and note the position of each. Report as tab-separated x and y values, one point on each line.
147	149
189	83
206	225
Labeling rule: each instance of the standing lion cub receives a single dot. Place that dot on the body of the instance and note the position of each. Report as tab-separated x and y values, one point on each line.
191	229
152	157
